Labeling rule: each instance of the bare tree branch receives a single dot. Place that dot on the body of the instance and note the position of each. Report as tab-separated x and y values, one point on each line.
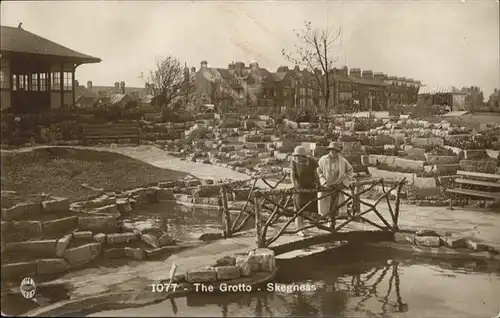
315	53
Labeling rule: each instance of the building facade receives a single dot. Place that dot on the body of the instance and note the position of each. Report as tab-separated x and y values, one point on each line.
241	88
37	74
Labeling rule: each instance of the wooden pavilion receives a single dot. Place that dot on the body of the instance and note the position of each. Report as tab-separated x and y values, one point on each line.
37	74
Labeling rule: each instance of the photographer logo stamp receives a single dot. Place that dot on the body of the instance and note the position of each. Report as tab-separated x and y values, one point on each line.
28	288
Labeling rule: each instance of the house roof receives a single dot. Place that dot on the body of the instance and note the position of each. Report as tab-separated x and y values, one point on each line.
116	98
21	41
358	80
426	90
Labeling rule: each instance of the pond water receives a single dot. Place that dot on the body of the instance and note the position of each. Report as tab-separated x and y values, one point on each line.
373	282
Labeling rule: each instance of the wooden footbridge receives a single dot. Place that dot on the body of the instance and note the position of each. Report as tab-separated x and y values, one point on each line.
272	211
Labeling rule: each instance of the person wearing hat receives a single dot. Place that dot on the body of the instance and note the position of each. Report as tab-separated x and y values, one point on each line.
333	170
304	176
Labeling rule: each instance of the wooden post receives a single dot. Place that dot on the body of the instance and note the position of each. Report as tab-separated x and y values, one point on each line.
257	221
225	212
356	204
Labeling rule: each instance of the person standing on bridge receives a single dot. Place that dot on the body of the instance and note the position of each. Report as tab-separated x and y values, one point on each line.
333	170
304	176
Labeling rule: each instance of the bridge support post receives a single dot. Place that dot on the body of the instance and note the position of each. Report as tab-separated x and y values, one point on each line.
225	213
258	228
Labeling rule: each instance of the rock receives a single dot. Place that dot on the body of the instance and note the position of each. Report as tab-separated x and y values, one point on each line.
81	255
115	252
51	266
20	210
429	241
426	233
211	236
135	253
45	248
105	224
201	276
227	272
111	209
62	244
179	278
124	207
225	261
262	260
453	243
23	230
150	240
120	238
404	238
84	235
476	246
244	265
18	270
166	240
100	238
60	225
56	205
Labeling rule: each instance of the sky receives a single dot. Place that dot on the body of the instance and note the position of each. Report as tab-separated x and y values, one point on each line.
441	43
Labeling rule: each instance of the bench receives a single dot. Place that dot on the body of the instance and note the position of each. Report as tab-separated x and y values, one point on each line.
476	182
111	131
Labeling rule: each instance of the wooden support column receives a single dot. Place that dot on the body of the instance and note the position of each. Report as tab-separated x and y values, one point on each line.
73	88
257	221
225	213
61	83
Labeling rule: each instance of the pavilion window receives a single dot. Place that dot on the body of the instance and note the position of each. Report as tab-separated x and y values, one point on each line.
56	81
43	82
14	82
23	82
4	80
68	81
34	82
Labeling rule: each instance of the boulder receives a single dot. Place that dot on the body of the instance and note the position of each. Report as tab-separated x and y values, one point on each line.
201	276
20	210
33	248
404	238
23	230
83	235
427	233
166	240
51	266
103	224
60	225
120	238
18	270
244	265
226	261
262	260
100	238
56	205
227	272
62	244
138	254
150	240
81	255
429	241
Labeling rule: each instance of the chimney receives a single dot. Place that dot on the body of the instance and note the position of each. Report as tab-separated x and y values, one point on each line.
193	69
204	64
117	87
238	66
355	72
345	70
230	66
254	65
89	85
122	87
296	68
367	74
378	76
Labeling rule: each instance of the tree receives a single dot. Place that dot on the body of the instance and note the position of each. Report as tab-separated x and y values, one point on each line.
315	53
171	84
221	95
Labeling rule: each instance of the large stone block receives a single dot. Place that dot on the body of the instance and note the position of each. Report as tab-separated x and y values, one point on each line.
138	254
18	270
413	165
20	210
262	260
201	276
150	240
100	238
404	238
114	252
33	248
120	238
60	225
62	244
166	240
81	255
82	235
56	205
111	210
227	272
51	266
22	230
226	261
429	241
103	224
244	265
439	160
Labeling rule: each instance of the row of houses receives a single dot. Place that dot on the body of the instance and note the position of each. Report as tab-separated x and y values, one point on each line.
241	87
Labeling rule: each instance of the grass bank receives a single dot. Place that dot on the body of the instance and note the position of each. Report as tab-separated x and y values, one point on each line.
65	172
